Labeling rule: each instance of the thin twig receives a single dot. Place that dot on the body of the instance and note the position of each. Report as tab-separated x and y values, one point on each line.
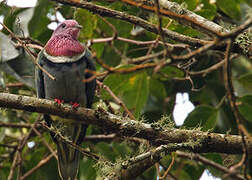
9	146
214	67
13	166
17	156
39	165
73	145
142	59
232	101
114	37
120	70
103	11
208	162
169	168
160	31
196	52
238	30
34	46
118	101
15	125
182	15
28	51
44	142
10	85
100	137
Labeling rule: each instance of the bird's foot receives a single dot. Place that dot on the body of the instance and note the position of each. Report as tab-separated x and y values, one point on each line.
75	105
58	101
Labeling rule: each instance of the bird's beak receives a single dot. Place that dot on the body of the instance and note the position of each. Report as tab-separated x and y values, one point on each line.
78	26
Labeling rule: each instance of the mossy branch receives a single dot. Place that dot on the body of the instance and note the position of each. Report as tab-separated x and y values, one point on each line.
204	141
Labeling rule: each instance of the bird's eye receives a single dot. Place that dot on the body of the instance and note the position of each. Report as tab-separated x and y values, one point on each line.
63	25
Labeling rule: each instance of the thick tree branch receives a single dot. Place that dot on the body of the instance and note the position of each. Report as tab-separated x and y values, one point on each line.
137	165
204	141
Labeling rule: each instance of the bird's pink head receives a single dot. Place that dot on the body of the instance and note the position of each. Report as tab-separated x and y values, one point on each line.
68	27
63	41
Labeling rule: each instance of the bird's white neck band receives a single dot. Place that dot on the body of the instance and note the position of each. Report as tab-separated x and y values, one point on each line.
64	59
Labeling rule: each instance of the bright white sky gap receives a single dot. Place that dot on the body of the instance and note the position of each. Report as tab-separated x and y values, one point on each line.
53	25
182	108
1	20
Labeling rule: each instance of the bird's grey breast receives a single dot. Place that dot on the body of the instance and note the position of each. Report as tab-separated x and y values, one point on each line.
69	85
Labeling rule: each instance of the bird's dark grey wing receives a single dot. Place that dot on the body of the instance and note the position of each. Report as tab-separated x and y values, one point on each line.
90	90
39	76
90	86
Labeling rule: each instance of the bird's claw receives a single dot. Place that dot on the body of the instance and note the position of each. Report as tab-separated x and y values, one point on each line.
58	101
75	105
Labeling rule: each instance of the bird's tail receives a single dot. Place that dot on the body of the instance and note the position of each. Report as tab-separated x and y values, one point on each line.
68	156
68	161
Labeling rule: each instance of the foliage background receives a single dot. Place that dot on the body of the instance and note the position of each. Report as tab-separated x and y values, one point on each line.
149	95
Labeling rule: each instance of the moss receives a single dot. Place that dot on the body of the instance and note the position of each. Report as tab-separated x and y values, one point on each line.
164	122
244	40
104	168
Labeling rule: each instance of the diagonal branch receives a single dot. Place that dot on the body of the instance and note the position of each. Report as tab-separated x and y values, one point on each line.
182	15
137	165
117	100
106	12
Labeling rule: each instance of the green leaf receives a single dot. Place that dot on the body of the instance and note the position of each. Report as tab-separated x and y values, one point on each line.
88	21
245	107
87	170
230	7
168	72
4	8
10	18
183	29
208	10
157	89
123	28
121	149
38	23
193	171
106	150
188	4
137	96
246	80
184	175
191	4
133	89
150	174
99	48
204	116
216	158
